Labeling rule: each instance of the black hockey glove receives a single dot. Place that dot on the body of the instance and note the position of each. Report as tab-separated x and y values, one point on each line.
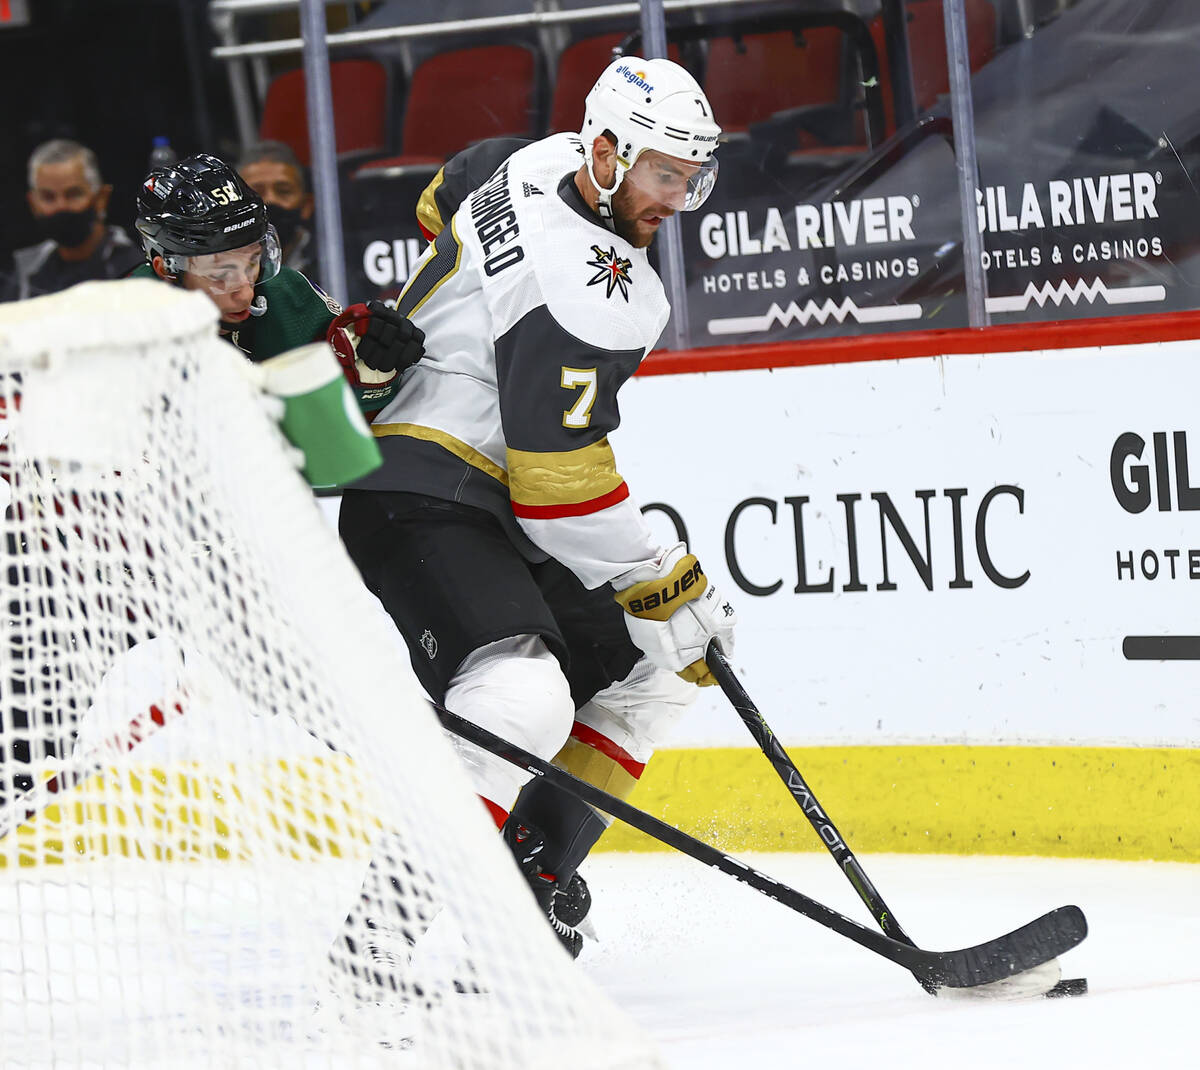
387	340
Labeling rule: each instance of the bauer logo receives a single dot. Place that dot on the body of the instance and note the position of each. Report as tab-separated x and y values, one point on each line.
652	604
237	226
637	78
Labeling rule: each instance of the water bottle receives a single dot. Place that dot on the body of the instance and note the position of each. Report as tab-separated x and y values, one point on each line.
161	153
321	415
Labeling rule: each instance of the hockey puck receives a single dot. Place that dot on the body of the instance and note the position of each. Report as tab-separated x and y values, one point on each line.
1075	986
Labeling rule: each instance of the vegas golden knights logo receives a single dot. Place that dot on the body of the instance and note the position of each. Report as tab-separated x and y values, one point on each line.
611	270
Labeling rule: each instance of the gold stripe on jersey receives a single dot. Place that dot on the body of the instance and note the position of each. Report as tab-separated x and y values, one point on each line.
447	256
448	442
428	213
567	478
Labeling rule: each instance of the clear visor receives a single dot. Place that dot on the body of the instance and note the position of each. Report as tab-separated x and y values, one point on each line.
227	271
672	182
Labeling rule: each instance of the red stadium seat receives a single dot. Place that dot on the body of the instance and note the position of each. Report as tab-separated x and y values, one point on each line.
578	68
747	79
464	96
360	96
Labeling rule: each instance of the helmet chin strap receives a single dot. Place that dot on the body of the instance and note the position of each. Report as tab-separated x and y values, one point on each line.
605	196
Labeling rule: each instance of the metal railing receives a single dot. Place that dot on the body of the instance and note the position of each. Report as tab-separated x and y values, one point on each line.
651	16
484	24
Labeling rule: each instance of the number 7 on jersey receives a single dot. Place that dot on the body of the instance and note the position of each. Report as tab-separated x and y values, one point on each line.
579	414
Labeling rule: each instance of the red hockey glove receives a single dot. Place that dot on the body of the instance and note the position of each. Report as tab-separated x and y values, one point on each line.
672	612
374	342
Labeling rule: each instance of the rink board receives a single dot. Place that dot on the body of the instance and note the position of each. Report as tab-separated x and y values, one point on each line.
977	548
955	575
1083	802
1071	802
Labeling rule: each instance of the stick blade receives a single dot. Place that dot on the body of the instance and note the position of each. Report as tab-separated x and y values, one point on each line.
1026	948
1040	981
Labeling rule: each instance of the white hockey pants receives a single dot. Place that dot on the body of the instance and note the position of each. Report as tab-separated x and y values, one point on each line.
515	689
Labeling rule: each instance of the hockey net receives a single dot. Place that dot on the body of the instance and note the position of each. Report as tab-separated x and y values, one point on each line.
231	832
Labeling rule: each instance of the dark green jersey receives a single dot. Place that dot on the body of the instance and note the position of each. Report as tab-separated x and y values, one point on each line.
298	312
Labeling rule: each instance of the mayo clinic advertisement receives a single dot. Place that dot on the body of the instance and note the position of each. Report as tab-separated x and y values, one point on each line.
1000	548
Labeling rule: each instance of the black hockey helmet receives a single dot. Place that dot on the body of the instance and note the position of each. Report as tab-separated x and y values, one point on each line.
200	206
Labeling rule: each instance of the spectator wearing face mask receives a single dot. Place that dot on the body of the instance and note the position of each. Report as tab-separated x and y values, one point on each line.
69	201
271	169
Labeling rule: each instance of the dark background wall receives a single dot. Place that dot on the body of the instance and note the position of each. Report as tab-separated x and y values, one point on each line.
112	74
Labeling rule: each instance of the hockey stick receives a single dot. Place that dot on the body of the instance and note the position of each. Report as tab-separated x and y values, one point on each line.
29	804
1023	949
833	840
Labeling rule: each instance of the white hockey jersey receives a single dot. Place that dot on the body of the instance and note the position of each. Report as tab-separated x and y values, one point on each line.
534	316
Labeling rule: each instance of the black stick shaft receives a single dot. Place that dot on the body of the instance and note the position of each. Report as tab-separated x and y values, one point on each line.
1031	945
826	831
667	834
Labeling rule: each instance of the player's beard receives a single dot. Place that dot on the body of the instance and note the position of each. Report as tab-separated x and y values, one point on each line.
625	222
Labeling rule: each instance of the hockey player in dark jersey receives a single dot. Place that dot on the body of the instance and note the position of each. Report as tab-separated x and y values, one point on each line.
499	533
204	228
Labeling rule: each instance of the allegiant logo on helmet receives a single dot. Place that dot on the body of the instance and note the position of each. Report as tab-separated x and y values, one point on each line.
637	78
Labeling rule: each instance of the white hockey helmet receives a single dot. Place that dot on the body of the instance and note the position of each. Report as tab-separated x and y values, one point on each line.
651	104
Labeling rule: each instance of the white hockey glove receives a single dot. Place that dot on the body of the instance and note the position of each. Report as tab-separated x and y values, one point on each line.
672	612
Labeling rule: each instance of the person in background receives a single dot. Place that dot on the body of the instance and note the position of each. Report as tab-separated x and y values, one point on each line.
69	202
271	169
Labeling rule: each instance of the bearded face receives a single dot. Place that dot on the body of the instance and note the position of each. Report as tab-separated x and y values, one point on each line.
654	189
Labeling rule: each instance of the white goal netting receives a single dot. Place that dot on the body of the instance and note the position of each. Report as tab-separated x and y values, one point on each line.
231	832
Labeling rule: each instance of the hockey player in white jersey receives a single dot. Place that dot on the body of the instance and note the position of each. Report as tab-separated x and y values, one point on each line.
499	533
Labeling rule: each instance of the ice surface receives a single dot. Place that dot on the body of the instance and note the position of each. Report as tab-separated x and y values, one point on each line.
724	977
